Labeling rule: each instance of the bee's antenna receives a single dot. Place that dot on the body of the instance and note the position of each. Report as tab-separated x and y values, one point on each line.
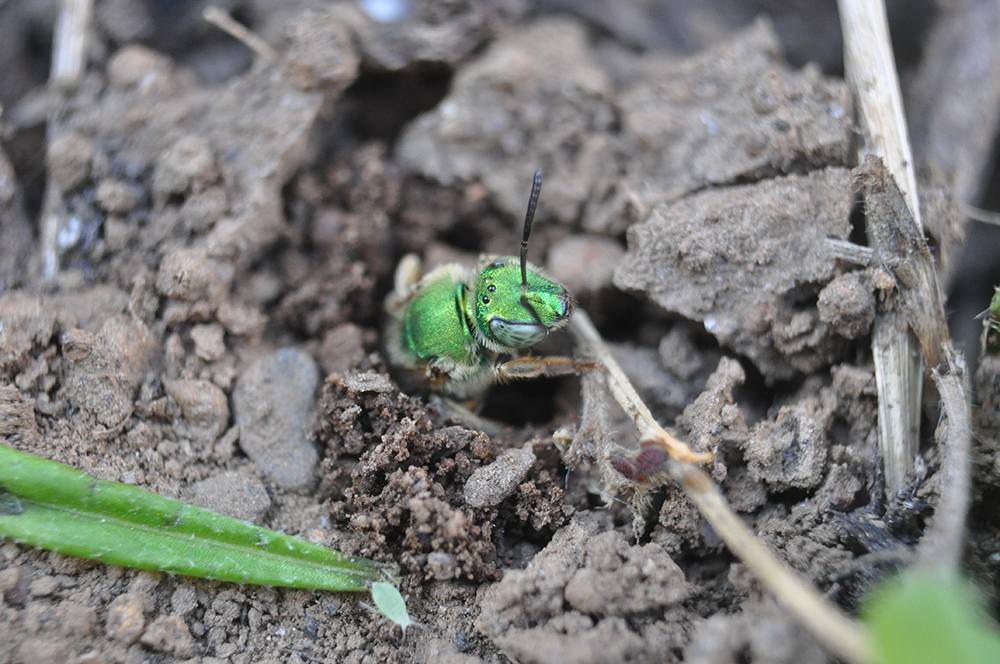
536	188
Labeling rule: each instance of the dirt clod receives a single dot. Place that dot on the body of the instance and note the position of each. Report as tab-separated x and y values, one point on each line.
185	274
725	251
790	450
189	164
117	197
608	584
169	634
848	304
489	485
761	631
528	97
232	493
209	342
584	263
69	160
27	322
342	349
105	369
320	53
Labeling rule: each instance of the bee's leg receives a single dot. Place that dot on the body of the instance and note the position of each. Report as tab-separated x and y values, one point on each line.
537	367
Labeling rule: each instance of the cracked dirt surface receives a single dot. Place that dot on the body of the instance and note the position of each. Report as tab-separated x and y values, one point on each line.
213	335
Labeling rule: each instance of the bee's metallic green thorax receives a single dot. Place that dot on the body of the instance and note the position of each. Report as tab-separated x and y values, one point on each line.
508	314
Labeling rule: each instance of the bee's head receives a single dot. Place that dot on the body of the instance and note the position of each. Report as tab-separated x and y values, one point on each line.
511	314
517	304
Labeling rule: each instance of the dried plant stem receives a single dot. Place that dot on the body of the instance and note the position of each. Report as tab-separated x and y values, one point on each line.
220	19
840	634
871	75
980	215
912	316
69	61
943	544
69	45
849	252
870	69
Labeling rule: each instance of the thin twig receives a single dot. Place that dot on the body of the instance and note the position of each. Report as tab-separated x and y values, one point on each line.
623	392
840	634
849	252
980	215
220	19
942	545
871	75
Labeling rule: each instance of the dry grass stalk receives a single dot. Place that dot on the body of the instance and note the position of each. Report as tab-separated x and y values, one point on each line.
223	21
912	314
871	75
839	633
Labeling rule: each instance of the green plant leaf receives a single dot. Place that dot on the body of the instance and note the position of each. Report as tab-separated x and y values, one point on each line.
929	619
52	506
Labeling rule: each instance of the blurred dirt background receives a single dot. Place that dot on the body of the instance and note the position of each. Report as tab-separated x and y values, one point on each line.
196	244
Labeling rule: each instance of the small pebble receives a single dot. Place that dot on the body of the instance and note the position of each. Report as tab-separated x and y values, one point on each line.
117	197
133	64
43	586
209	341
204	404
240	320
14	585
124	619
185	274
274	402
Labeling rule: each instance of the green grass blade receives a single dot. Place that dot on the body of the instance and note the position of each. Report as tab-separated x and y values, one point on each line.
52	506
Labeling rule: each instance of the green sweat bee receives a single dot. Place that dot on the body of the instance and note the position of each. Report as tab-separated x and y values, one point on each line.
454	327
